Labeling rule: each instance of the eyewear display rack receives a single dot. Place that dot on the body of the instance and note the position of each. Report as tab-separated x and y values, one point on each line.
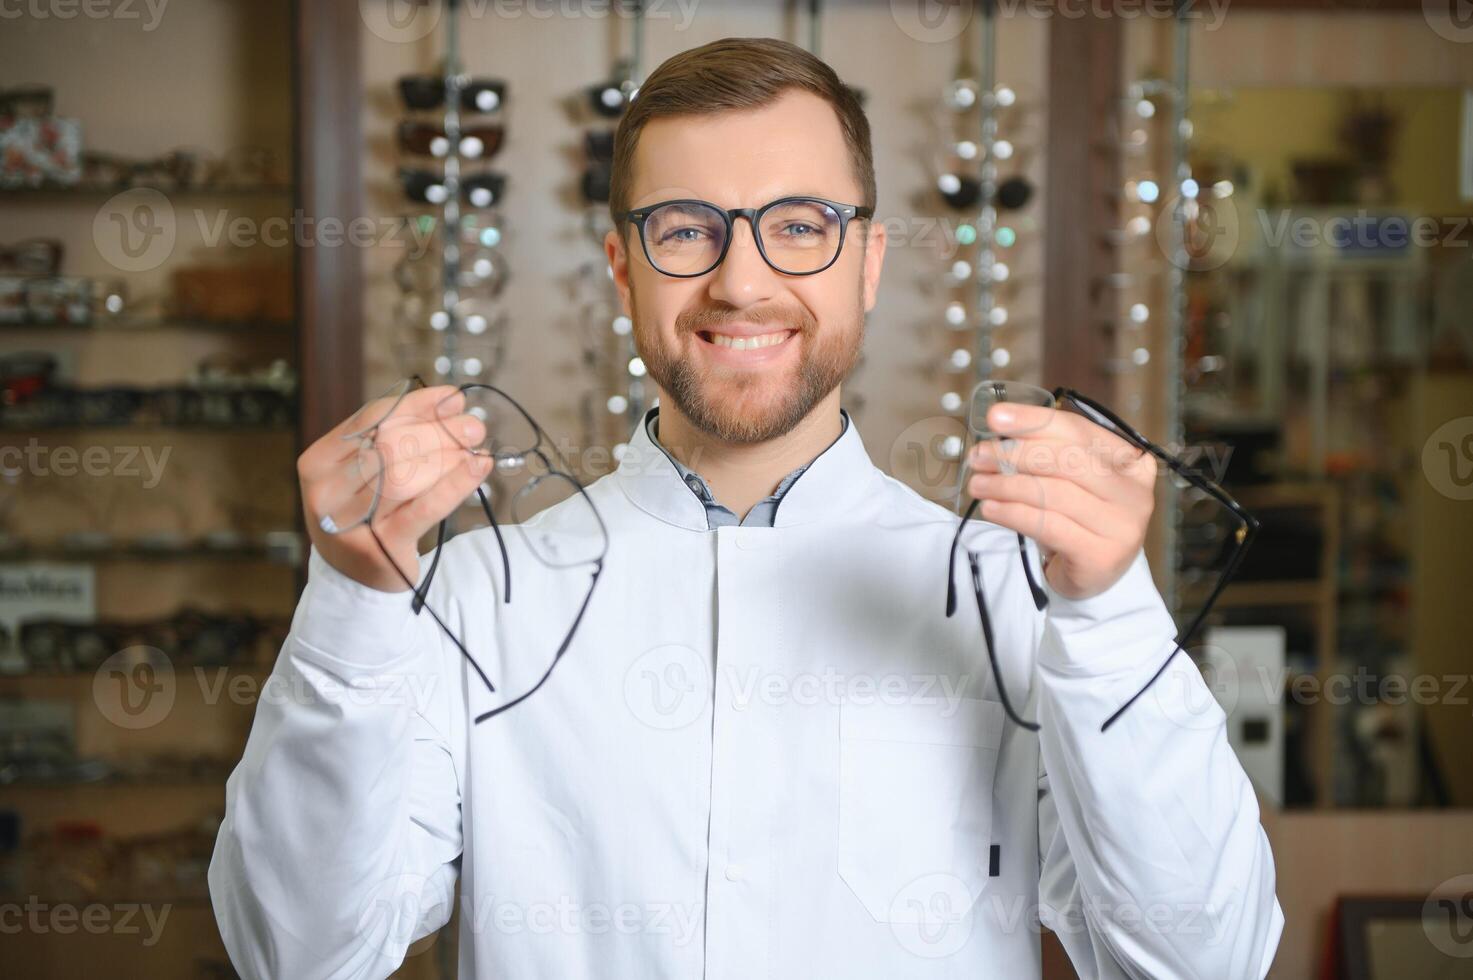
978	316
1184	192
117	756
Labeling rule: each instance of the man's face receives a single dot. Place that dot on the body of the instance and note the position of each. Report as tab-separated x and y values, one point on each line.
746	159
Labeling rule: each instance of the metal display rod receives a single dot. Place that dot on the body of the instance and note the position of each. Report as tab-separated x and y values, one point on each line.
450	218
636	394
987	219
1176	301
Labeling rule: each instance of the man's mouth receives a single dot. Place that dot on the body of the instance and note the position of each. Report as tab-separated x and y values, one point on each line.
756	342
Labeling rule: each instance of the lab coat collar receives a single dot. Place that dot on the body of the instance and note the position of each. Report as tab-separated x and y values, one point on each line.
837	479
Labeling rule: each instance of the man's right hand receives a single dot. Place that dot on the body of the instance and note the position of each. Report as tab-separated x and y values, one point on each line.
426	475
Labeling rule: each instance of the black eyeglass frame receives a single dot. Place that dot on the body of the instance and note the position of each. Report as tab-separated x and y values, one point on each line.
520	456
1243	537
421	592
846	213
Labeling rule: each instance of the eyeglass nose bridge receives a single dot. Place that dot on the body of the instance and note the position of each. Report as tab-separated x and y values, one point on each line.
751	214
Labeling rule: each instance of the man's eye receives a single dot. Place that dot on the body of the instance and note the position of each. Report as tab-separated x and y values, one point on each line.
798	229
686	235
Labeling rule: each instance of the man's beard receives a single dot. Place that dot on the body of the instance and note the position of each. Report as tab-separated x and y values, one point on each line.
736	407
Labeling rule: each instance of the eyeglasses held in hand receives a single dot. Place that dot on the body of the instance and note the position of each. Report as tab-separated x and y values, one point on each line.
519	446
989	393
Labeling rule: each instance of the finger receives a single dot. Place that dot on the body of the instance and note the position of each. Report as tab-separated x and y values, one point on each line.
1039	424
411	437
404	480
339	444
348	491
1015	419
1077	463
346	496
1051	493
415	517
435	402
1052	531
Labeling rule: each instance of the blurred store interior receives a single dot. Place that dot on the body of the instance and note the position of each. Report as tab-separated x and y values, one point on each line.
1245	227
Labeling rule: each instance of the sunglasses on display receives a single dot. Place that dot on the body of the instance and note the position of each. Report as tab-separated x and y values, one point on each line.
963	192
247	166
610	99
191	635
477	190
428	92
429	139
597	182
26	102
32	257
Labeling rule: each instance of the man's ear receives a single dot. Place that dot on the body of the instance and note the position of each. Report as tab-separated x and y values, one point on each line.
874	260
619	262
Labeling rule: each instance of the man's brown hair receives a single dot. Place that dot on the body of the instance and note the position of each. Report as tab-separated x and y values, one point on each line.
738	73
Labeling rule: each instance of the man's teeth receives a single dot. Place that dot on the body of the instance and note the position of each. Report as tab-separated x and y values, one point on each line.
749	343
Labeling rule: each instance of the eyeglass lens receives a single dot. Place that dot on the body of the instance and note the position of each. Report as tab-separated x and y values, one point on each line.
984	396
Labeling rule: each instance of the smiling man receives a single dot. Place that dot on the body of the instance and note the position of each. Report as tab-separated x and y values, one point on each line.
768	751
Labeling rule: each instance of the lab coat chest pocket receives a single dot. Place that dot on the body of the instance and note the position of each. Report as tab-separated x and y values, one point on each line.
915	798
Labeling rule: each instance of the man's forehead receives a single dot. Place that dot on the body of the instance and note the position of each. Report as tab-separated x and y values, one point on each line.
747	157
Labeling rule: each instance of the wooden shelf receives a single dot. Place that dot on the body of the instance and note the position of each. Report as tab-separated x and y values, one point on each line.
1239	595
125	551
125	325
95	189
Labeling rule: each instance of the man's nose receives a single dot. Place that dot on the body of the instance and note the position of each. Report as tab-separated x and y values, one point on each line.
743	277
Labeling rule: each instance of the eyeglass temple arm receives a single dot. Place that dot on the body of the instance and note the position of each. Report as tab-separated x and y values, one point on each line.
433	615
424	590
1247	532
500	543
951	560
1040	597
1002	691
562	649
1250	530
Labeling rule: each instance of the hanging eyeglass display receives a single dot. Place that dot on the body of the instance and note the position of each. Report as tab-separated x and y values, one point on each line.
449	322
618	389
971	181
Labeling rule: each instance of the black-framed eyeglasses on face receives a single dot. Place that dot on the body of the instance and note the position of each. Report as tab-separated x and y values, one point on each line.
521	450
796	236
988	393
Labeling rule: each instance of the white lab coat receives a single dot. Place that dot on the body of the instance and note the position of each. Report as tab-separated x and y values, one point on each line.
768	753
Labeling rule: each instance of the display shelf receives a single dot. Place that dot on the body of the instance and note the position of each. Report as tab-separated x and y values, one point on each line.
147	427
1287	593
109	898
152	324
92	190
65	681
284	553
212	782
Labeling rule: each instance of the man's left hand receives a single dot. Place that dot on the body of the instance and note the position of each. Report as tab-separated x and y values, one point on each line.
1082	493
